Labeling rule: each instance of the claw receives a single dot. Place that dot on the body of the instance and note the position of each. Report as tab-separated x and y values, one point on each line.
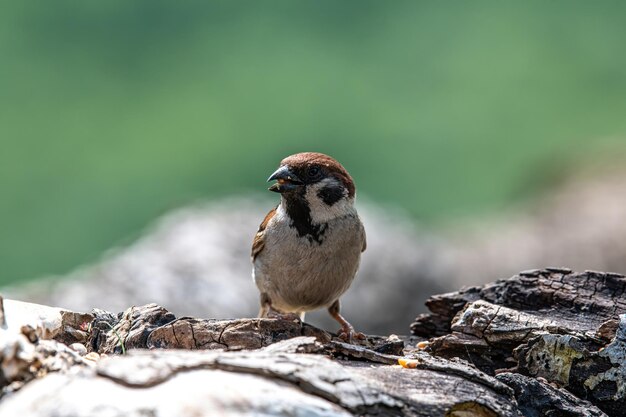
347	334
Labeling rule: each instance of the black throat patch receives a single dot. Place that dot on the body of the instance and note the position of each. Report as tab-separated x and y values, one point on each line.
300	214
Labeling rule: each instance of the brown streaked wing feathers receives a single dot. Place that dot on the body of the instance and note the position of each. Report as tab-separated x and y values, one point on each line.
258	243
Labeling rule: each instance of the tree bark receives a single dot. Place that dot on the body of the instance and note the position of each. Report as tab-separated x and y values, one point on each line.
545	342
563	327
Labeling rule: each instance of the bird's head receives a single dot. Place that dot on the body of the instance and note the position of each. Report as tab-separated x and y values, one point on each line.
317	179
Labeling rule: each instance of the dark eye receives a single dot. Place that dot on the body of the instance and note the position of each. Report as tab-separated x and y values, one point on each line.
313	171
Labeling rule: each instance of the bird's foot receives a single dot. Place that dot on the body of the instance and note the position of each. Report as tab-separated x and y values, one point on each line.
348	334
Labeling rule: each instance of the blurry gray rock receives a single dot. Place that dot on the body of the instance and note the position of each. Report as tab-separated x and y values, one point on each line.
580	224
196	260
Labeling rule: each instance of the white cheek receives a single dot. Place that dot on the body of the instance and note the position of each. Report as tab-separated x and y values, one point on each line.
322	212
280	213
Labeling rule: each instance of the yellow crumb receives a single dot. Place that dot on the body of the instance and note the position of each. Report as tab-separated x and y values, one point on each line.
408	363
422	345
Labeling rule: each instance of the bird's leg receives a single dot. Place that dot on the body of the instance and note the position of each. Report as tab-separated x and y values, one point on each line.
266	306
268	311
346	332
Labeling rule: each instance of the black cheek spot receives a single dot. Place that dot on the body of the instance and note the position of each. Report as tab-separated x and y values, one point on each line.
330	195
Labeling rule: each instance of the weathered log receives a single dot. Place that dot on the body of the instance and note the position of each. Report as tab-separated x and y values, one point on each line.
559	335
578	302
25	354
273	380
48	322
580	365
536	398
317	374
485	324
152	326
552	324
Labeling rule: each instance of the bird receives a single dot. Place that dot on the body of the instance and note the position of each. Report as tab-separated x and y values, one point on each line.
307	249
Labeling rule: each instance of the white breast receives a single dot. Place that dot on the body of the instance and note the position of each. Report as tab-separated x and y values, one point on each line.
300	274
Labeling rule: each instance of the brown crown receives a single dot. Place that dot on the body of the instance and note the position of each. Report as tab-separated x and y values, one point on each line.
331	167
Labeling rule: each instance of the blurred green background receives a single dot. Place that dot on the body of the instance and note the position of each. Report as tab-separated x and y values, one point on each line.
112	113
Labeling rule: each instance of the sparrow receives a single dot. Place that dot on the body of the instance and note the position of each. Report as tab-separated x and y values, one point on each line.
307	250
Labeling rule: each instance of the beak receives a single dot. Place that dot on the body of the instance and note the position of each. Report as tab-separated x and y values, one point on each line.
286	180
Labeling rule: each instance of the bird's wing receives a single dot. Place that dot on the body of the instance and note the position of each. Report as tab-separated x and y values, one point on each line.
258	243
